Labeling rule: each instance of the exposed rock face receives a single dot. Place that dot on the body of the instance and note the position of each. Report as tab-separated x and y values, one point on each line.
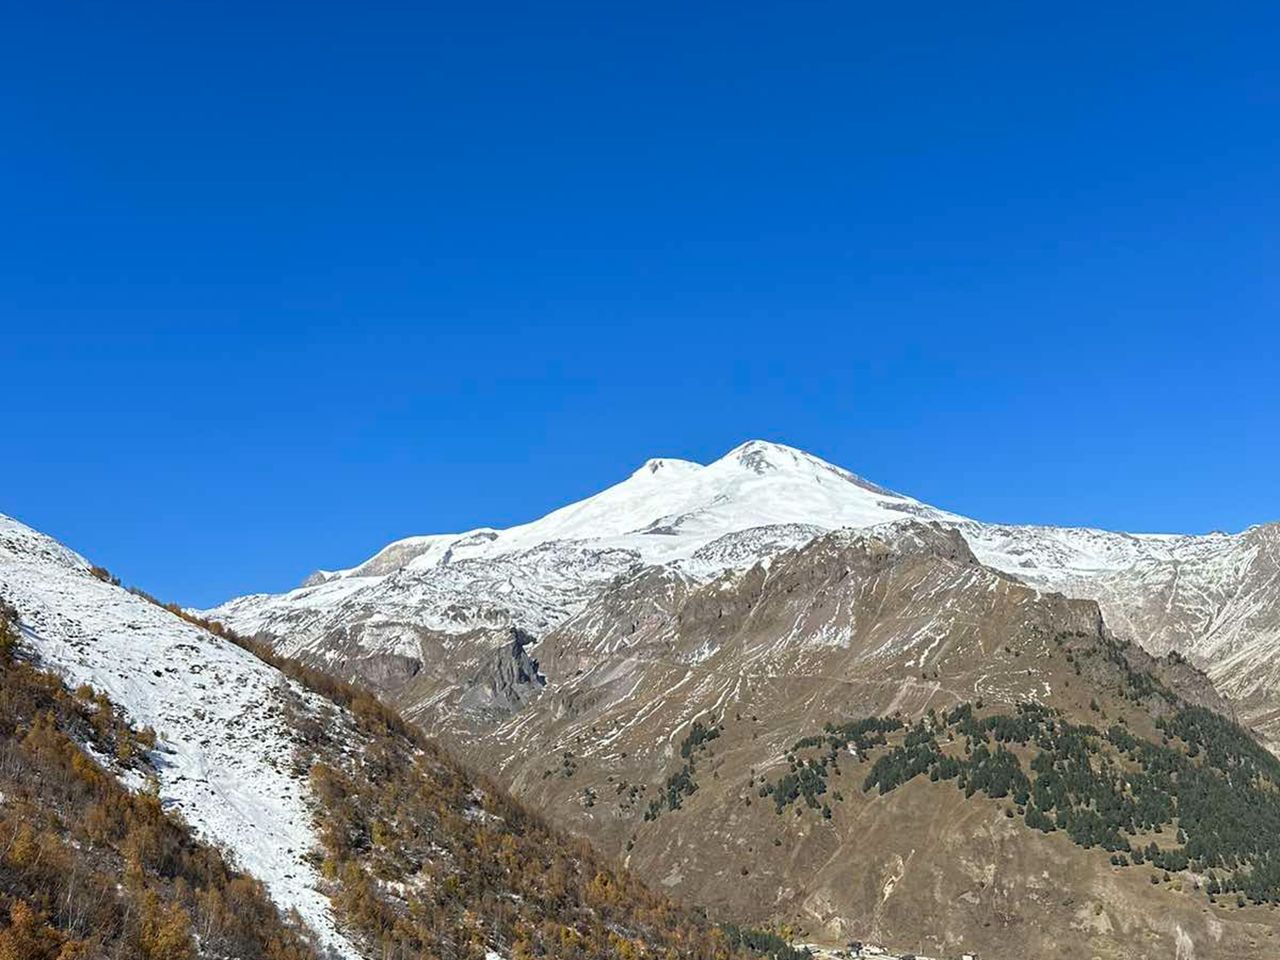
507	682
385	671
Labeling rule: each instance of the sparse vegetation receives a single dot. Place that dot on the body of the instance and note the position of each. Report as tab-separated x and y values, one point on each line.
807	778
1207	799
429	860
765	943
105	575
682	783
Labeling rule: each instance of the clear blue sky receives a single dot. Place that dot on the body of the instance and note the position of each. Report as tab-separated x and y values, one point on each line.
281	282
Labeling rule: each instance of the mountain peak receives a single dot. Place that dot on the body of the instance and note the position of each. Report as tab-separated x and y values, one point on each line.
666	468
763	457
760	456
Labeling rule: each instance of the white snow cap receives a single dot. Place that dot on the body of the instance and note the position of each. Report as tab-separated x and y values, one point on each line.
668	508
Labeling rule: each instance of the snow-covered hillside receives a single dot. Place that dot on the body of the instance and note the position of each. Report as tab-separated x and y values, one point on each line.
224	745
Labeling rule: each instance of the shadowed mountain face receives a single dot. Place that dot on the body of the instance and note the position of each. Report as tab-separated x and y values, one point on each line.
682	633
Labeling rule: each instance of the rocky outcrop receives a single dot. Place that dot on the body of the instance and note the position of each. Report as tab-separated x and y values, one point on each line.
387	672
508	679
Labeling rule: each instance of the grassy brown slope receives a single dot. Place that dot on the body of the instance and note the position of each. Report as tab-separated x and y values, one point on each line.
845	629
922	867
91	870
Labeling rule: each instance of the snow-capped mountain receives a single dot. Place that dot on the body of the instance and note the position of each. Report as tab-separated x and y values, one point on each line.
224	743
757	500
668	509
1213	598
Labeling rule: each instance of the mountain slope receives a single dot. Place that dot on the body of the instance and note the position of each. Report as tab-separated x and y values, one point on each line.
383	844
690	736
224	743
1215	599
91	868
642	664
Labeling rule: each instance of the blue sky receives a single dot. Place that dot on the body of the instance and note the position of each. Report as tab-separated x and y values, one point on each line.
282	282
